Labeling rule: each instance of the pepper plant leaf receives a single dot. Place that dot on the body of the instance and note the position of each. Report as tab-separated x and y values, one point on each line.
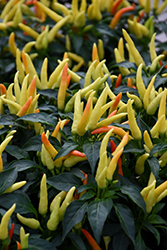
17	152
66	148
22	165
64	181
154	165
126	219
91	151
73	215
153	230
120	241
139	243
7	178
24	204
39	244
77	241
39	117
160	147
98	211
133	147
33	144
134	195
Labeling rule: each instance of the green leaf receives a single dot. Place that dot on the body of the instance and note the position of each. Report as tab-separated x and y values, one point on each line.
91	151
134	195
126	219
24	165
33	144
160	147
133	147
97	215
39	117
125	64
156	219
158	207
88	195
23	204
77	241
124	90
154	165
120	241
50	93
9	120
64	181
66	148
7	178
15	151
139	243
77	41
73	215
39	244
153	230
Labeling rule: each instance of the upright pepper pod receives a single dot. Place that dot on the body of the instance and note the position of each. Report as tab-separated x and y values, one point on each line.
162	112
136	55
136	133
23	238
43	202
12	45
61	195
101	180
4	223
153	105
113	164
53	221
62	89
66	202
139	167
146	98
103	154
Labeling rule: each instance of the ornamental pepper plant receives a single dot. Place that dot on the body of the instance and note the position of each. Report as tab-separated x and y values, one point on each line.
83	127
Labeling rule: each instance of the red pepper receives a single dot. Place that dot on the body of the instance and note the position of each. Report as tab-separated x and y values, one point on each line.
18	245
118	15
112	113
77	153
165	66
115	6
118	81
11	234
113	147
2	89
91	240
115	104
141	14
129	84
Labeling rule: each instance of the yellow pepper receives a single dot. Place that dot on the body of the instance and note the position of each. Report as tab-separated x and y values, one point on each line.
136	133
146	98
139	167
29	222
113	164
53	221
43	202
28	30
12	45
136	55
15	186
23	238
68	199
4	223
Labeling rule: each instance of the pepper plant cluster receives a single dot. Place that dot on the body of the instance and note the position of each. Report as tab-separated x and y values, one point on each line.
83	128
